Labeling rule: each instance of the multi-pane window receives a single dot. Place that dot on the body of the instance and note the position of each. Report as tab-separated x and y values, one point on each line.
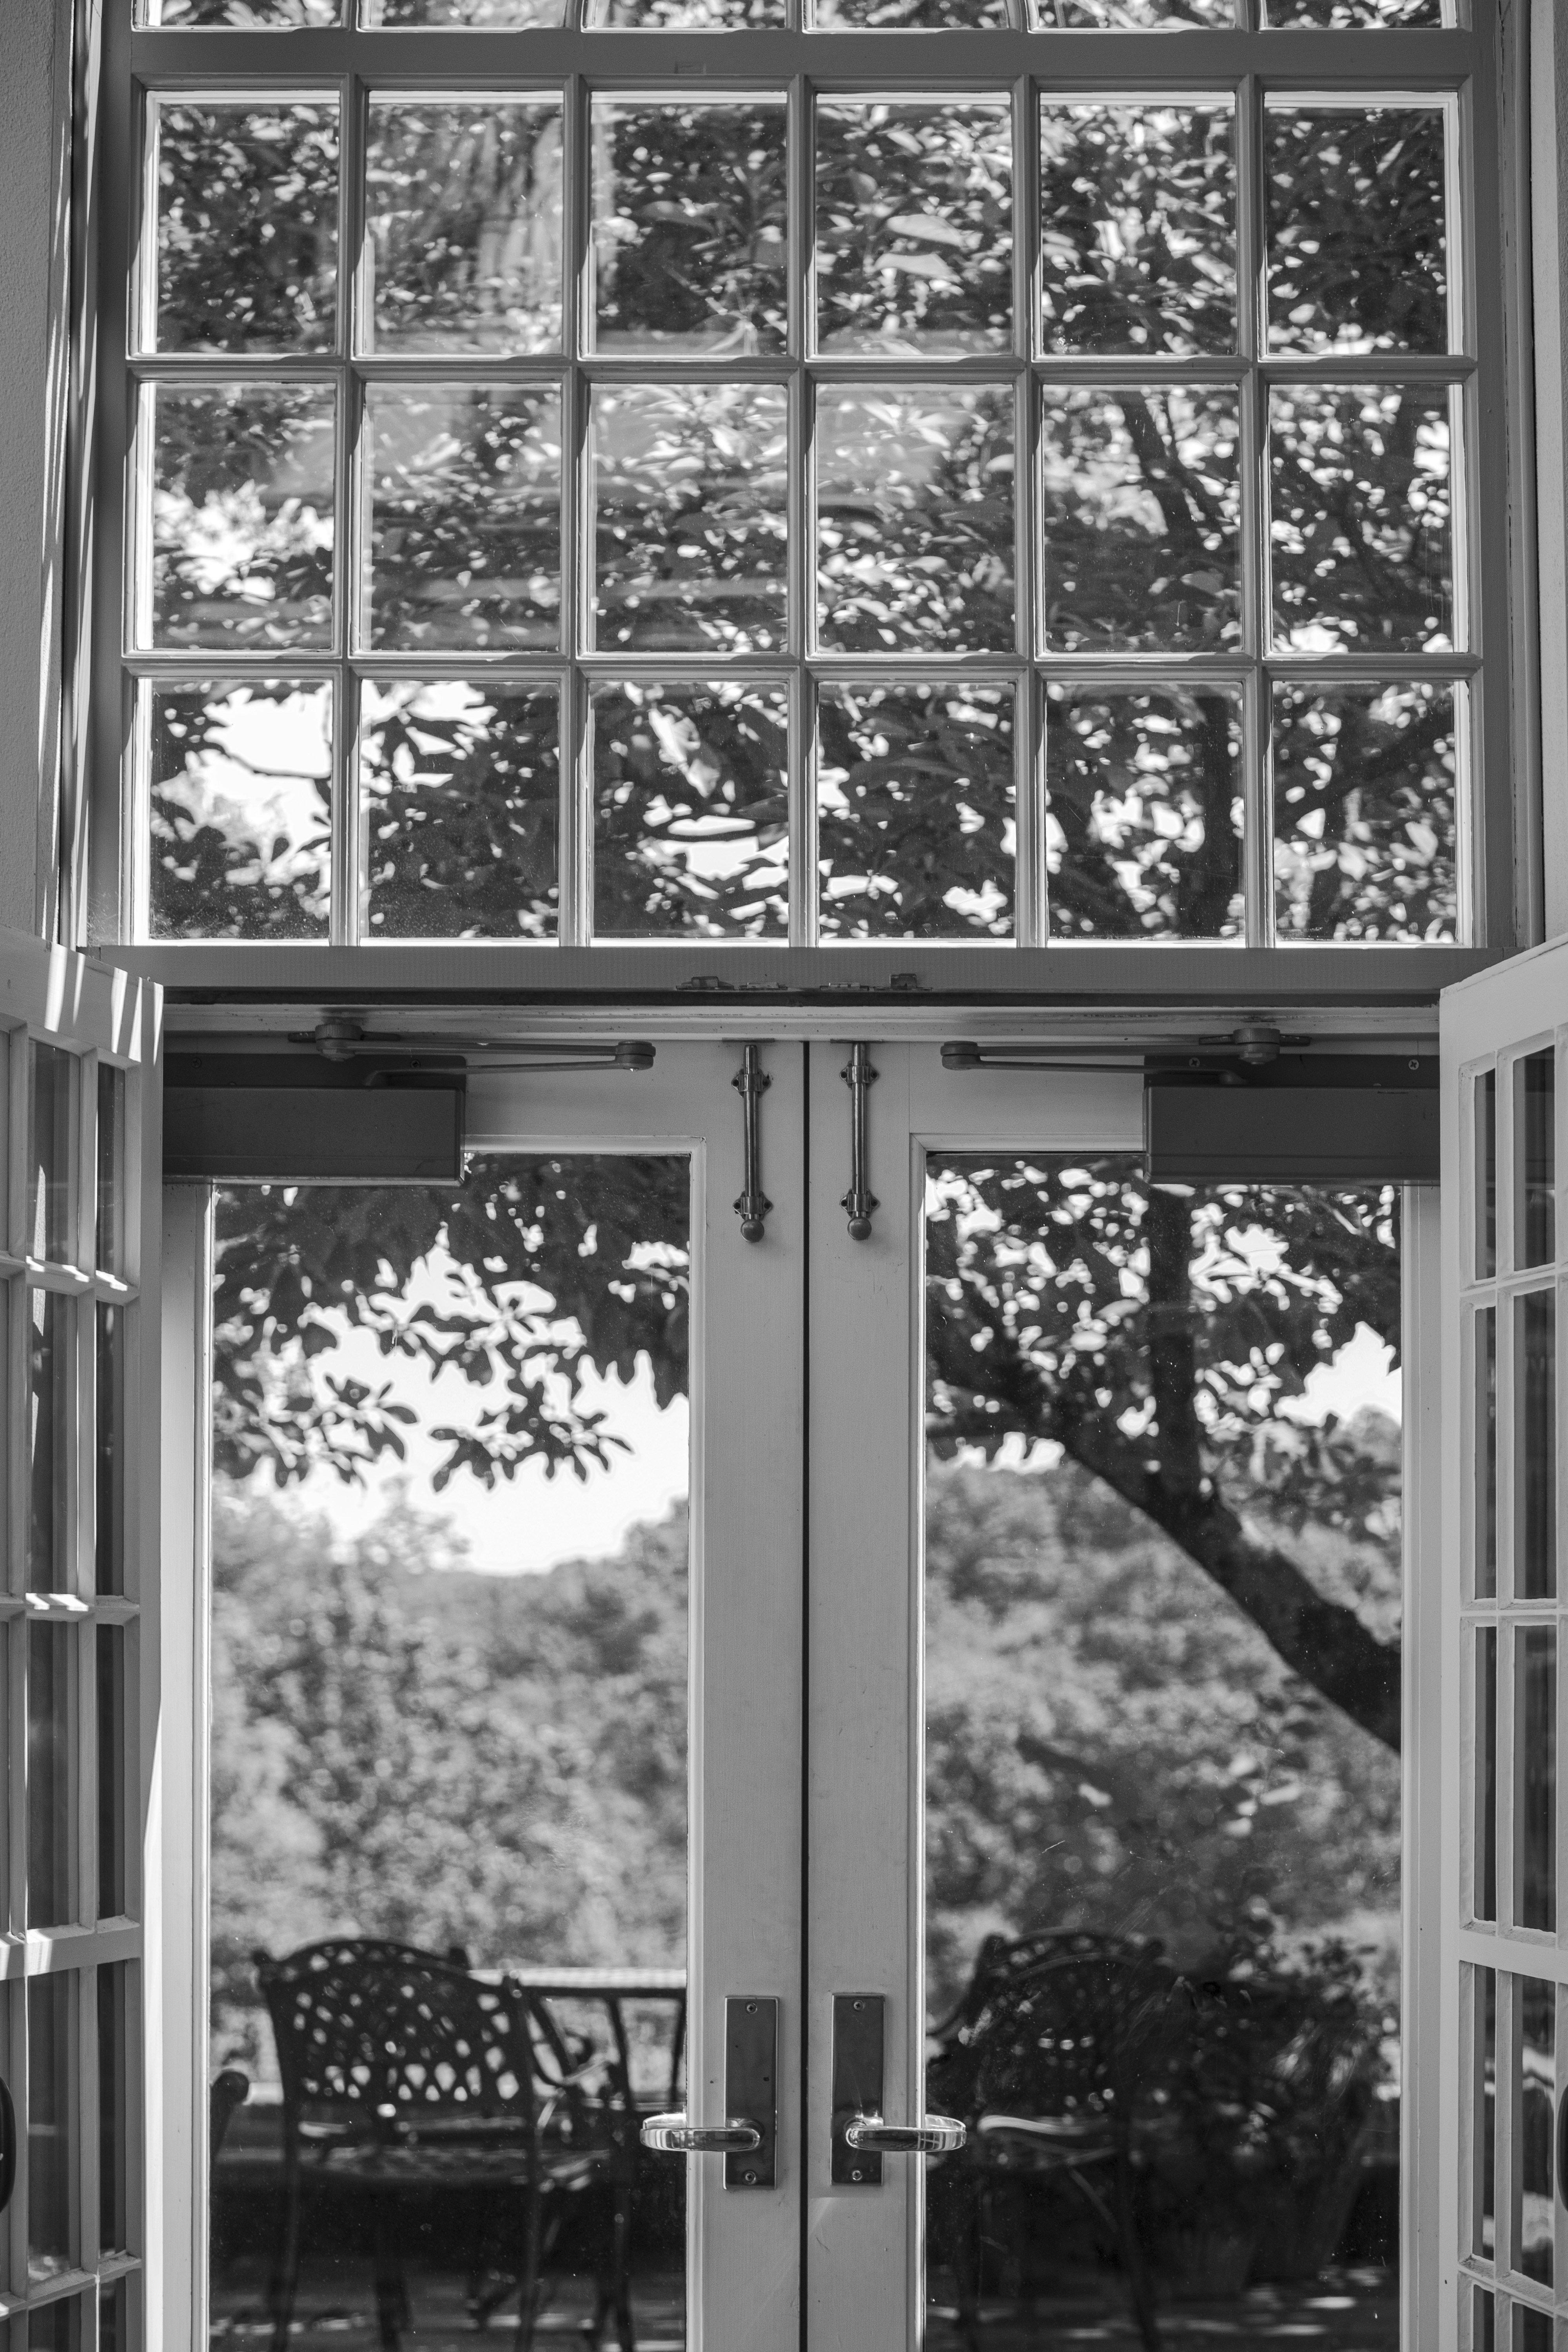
808	494
70	1664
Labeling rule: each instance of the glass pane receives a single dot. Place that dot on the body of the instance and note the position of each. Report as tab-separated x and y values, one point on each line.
114	1763
1486	1454
114	2316
690	810
57	2326
240	813
1531	2329
1141	513
911	15
1365	819
110	1240
108	1450
1535	2111
1119	16
1138	227
247	225
1357	244
242	514
686	16
690	490
1536	1459
1361	551
915	528
1483	2321
51	1151
1162	1869
51	1775
51	1371
263	15
1484	1766
457	1723
482	15
1374	13
914	227
461	785
463	219
689	227
1534	1159
466	514
51	2118
1535	1744
113	2110
915	828
1486	1173
1143	812
1485	2157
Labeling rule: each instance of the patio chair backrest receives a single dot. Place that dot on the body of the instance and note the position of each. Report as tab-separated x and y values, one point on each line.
1086	2033
384	2037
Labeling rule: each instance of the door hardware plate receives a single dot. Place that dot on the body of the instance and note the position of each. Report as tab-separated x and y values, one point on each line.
858	2021
751	2085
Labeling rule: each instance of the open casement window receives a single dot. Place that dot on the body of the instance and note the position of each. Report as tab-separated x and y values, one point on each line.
700	492
1505	1930
78	1643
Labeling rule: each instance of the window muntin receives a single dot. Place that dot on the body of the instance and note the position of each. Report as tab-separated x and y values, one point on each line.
1120	443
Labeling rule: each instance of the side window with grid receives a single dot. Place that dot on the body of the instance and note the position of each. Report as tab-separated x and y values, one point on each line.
826	483
71	1662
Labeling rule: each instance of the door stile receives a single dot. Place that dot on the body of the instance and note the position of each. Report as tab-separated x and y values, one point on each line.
1423	1904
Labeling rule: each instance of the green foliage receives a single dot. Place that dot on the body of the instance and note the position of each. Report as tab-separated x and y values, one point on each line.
691	241
248	209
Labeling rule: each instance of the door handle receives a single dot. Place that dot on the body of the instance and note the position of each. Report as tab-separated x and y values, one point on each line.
861	2135
7	2145
748	2139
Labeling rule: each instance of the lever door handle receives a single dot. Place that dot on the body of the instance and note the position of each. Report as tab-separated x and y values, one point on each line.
938	2136
748	2137
678	2135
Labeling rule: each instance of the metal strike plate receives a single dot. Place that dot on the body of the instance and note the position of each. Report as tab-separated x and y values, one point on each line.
857	2027
751	2086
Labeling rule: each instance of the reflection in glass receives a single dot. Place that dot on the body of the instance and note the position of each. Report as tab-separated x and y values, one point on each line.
1365	814
465	514
686	16
1534	1158
242	514
688	516
690	810
51	1812
1357	243
1140	517
109	1451
51	1151
1371	14
110	1221
114	2314
1486	1454
1535	1741
51	1331
1361	552
1143	812
1138	227
916	835
915	528
450	1729
244	15
914	227
240	809
1484	1765
113	1771
461	802
1534	2116
479	15
689	227
1532	2329
1117	15
247	224
51	2150
57	2326
1485	2154
1535	1466
1486	1173
1161	1863
113	2110
463	220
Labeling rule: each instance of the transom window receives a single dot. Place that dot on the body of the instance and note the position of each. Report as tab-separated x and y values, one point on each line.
819	484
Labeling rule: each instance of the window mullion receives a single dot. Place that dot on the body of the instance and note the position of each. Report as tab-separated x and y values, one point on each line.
576	879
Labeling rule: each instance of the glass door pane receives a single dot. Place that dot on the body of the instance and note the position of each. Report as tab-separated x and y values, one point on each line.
504	1784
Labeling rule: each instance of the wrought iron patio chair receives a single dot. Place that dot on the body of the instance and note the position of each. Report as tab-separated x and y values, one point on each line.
1049	2060
405	2076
